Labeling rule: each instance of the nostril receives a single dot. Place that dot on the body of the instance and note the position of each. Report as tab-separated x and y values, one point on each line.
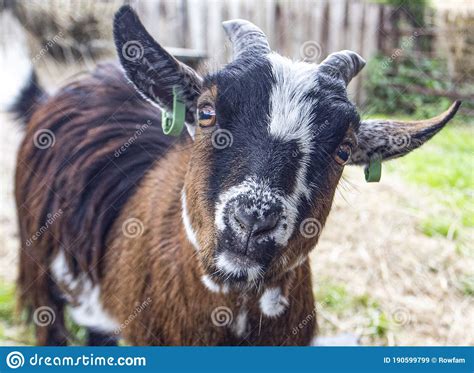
240	223
245	220
266	224
254	224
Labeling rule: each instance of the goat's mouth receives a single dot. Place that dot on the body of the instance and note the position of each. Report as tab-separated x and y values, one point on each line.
235	268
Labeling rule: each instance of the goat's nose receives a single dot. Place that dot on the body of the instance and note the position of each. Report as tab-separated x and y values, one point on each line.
256	225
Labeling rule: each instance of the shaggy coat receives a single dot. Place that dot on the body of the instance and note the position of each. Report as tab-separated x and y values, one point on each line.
97	184
181	241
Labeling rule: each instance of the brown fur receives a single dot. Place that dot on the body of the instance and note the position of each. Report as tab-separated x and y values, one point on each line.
80	175
181	306
98	184
98	191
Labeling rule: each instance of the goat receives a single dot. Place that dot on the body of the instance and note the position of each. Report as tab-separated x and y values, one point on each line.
194	240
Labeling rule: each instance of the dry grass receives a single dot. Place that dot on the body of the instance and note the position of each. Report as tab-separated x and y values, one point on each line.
11	135
404	287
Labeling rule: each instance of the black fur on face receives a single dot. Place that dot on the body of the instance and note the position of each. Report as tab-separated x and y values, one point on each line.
282	122
281	134
275	131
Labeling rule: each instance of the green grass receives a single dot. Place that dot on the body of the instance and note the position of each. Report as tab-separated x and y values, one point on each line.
12	329
9	330
7	302
467	285
445	167
335	298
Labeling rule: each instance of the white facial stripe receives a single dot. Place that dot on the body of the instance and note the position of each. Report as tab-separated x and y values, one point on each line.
228	266
291	113
190	234
272	302
290	119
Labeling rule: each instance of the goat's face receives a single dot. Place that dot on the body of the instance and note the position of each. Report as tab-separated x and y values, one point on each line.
270	146
271	138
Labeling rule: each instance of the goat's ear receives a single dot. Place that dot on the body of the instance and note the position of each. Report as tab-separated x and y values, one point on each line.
389	139
152	70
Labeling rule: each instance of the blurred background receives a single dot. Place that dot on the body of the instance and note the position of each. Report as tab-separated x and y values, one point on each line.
395	262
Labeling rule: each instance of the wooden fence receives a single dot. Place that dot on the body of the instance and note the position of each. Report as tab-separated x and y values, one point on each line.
303	29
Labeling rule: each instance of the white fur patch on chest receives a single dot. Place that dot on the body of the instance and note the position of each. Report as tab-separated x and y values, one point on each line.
240	324
272	302
83	297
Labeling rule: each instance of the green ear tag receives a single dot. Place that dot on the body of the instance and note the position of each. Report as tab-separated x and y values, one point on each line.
173	123
373	171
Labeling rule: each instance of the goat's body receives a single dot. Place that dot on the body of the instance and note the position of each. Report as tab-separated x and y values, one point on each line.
180	309
147	285
202	242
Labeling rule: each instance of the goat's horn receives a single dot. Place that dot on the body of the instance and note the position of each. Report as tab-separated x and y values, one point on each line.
345	64
246	38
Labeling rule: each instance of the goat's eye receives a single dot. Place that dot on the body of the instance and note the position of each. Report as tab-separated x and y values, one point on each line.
207	116
343	154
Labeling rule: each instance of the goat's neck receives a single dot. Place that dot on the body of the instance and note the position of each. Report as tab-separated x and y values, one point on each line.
162	188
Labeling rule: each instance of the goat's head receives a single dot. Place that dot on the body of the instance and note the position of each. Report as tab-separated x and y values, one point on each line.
271	138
